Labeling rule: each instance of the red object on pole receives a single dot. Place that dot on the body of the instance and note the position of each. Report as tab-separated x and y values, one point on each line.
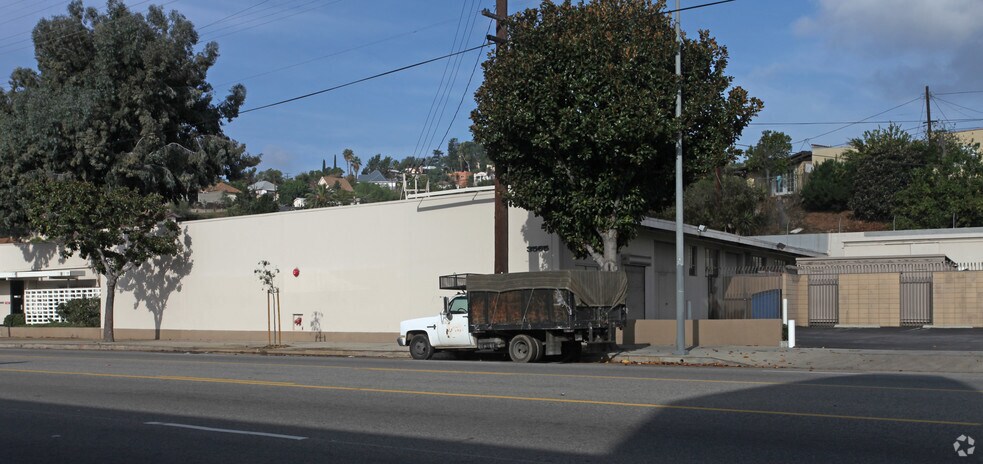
296	272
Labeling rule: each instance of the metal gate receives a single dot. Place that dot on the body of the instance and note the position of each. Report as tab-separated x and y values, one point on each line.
916	299
824	300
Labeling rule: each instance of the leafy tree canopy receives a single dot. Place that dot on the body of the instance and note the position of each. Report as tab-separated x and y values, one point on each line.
114	228
883	163
733	207
118	99
577	113
945	194
770	155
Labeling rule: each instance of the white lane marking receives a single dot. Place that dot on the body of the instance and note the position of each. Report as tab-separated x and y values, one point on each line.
240	432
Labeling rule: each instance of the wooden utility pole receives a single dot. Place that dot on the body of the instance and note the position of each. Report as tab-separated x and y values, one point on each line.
928	114
501	211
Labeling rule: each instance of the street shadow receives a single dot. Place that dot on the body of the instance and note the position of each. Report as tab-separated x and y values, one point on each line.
153	283
838	418
869	418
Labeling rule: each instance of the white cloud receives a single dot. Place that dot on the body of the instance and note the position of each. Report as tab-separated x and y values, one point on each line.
878	26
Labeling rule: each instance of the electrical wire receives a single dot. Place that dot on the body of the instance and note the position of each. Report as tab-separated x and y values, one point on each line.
213	37
443	76
71	34
957	105
335	53
445	99
232	15
391	71
858	122
463	94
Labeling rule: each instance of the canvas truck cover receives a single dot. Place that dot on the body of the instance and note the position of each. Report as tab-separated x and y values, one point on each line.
592	288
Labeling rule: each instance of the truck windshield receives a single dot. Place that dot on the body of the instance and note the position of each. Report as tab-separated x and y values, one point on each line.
459	305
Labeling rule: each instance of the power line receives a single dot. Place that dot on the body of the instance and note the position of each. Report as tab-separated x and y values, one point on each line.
232	15
860	121
957	105
420	63
436	95
213	37
335	53
960	93
445	99
463	94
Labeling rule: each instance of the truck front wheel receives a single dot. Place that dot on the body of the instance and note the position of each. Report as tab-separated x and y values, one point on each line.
524	349
420	347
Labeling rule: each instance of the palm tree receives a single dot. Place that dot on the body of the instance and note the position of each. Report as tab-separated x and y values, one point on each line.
348	154
356	164
320	197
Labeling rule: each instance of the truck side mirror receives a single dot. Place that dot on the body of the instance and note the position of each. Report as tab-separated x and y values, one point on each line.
447	306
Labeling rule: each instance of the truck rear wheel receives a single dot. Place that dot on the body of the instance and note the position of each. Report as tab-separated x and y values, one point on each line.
420	347
524	349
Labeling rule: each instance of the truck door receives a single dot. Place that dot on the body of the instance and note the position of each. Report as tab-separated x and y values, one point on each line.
453	328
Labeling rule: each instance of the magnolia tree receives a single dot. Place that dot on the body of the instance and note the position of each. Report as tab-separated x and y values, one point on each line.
577	112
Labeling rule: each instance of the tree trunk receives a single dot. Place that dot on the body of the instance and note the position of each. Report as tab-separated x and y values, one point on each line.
610	259
107	322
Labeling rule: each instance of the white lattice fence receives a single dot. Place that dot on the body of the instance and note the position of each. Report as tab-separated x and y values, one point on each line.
40	306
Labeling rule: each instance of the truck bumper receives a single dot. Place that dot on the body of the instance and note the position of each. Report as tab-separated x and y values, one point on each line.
401	341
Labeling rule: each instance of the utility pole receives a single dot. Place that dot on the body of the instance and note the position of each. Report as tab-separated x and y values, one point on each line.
501	211
680	256
928	113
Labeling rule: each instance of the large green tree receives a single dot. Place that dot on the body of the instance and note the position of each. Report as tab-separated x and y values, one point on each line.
883	163
577	113
114	228
829	187
947	193
730	204
118	99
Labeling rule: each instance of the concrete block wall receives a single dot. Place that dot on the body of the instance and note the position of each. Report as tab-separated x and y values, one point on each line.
795	289
870	299
957	298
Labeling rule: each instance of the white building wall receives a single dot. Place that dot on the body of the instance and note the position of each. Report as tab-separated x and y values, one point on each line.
365	267
961	245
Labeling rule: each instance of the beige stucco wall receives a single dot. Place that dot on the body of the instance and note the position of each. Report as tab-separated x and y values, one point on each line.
365	268
957	298
719	332
870	299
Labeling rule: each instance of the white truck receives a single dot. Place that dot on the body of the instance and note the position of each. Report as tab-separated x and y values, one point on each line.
529	314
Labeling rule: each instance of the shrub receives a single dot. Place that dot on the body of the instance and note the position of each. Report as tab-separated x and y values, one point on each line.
83	312
14	320
829	188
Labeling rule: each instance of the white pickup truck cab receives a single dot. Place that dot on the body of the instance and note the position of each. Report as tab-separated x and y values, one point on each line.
445	331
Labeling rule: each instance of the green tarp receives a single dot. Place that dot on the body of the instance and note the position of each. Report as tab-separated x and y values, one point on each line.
592	288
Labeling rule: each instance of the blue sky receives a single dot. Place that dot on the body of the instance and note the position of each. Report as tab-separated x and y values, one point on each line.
810	61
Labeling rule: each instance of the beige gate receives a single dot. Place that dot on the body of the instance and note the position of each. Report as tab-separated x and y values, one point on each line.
916	299
824	300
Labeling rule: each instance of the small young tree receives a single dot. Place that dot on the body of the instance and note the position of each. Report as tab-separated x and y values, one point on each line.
115	229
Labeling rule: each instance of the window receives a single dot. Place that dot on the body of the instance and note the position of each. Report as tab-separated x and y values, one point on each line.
758	261
692	260
459	305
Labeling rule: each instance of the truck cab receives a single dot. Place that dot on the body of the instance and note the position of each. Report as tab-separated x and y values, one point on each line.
445	331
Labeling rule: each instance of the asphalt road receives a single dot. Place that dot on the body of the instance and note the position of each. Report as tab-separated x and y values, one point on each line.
890	338
88	407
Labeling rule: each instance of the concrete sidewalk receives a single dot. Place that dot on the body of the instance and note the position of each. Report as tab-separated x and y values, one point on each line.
760	357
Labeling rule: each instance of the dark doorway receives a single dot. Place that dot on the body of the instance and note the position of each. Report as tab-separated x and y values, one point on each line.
16	297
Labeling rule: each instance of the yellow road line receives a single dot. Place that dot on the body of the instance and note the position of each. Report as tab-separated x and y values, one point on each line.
525	374
495	397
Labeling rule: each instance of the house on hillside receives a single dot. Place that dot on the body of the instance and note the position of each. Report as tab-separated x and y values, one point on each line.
460	178
264	188
376	177
801	165
332	182
217	194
